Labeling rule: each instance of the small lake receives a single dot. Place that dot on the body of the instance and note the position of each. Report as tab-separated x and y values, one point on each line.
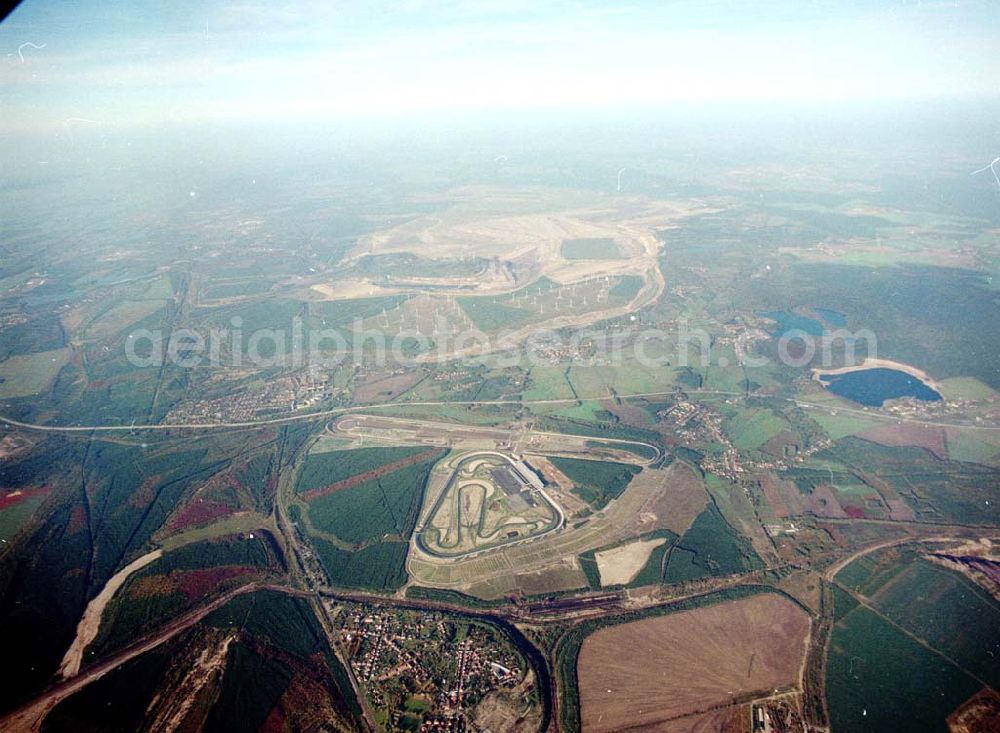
788	321
813	321
872	387
833	318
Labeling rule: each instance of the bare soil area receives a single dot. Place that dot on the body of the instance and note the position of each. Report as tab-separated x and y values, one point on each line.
922	436
86	630
676	496
648	674
620	564
979	714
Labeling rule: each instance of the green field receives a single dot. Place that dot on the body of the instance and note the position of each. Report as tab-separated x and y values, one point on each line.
627	287
236	288
750	429
549	383
628	377
490	315
721	372
407	265
28	374
40	334
949	612
869	573
16	516
342	312
373	510
908	682
587	411
268	313
936	490
122	315
878	679
323	468
379	567
965	388
963	446
596	482
603	429
710	547
840	425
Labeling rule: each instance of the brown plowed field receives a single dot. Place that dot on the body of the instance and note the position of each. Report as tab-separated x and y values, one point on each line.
648	674
677	496
922	436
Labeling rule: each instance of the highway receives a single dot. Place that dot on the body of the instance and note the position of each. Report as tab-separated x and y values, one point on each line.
336	411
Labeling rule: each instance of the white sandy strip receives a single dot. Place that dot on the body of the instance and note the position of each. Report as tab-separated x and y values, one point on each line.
86	630
880	364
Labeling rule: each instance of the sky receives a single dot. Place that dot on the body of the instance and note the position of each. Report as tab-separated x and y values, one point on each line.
150	62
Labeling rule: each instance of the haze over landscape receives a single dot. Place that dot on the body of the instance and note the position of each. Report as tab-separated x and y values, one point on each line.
508	367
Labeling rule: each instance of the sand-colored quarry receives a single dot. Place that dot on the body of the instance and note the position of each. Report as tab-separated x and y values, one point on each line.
519	234
620	564
526	229
350	289
86	630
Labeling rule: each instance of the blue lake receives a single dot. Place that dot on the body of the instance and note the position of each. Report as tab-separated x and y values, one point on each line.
788	321
872	387
813	324
833	318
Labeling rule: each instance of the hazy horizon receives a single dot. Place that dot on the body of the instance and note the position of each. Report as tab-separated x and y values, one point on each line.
90	64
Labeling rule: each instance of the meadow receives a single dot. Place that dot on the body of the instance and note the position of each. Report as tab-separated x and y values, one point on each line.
596	482
375	509
324	468
710	547
379	567
29	374
923	651
879	679
750	429
949	612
